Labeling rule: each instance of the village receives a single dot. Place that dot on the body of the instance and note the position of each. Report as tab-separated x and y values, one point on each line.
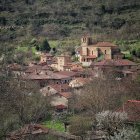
59	78
69	69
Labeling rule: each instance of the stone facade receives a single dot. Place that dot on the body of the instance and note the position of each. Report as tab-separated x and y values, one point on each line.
91	51
63	63
46	58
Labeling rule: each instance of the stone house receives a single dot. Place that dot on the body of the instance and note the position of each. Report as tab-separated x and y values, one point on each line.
47	78
16	70
46	58
63	63
79	82
119	67
76	67
37	69
59	94
54	89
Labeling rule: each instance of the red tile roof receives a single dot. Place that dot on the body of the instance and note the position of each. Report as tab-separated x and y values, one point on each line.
124	62
60	87
83	80
67	66
58	76
61	107
37	77
31	69
48	75
15	67
132	108
46	67
67	73
115	62
37	68
66	94
105	44
26	130
79	82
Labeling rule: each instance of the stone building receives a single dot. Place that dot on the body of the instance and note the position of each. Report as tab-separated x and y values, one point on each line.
89	50
46	58
117	67
63	63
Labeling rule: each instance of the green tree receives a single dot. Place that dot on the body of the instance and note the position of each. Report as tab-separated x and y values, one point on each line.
45	46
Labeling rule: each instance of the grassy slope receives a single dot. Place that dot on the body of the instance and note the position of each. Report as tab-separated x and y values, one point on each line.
56	125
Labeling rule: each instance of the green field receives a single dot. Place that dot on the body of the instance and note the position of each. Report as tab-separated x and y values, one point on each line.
56	125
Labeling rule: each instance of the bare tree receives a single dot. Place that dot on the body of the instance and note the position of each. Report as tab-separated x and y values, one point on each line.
100	95
20	104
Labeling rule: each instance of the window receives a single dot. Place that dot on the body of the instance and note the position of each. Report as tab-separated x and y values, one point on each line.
48	88
129	67
42	84
84	40
105	51
92	52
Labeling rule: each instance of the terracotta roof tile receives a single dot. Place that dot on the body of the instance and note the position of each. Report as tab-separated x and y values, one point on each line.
67	73
105	44
83	80
15	66
61	106
115	62
37	76
66	94
48	75
59	88
79	82
46	67
26	130
59	76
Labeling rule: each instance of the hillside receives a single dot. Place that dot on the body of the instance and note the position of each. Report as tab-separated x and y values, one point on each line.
20	19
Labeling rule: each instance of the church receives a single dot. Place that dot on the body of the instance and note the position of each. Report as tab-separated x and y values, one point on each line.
90	51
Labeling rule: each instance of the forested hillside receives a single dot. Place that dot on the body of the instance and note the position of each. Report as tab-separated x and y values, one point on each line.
55	19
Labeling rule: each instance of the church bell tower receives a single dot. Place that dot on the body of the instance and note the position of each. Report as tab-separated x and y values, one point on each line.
85	41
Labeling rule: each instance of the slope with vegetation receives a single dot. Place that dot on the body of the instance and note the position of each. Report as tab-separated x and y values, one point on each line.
67	18
63	22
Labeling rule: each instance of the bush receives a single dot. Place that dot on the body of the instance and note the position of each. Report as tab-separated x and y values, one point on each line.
126	134
79	125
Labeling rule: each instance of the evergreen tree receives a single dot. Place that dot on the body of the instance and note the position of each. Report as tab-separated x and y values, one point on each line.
45	46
